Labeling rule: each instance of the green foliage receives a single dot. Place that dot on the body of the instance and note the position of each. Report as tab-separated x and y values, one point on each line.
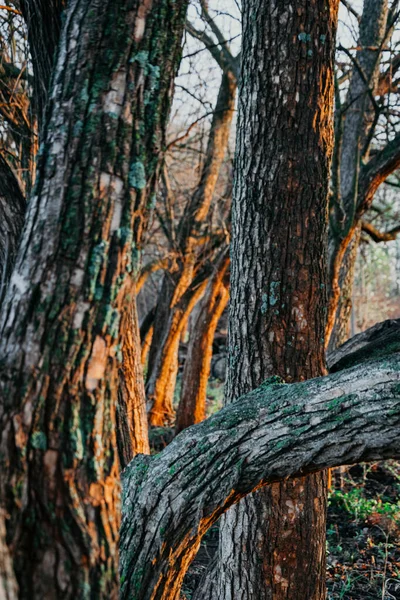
360	507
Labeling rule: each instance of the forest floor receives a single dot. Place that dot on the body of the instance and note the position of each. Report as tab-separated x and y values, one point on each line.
363	535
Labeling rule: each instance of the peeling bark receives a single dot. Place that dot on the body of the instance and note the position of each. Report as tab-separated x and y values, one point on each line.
273	433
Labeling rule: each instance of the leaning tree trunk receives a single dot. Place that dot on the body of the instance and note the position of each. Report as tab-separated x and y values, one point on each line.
272	545
61	318
161	376
161	384
192	405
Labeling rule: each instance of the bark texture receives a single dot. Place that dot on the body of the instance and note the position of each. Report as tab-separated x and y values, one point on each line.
273	545
133	435
43	22
61	332
274	432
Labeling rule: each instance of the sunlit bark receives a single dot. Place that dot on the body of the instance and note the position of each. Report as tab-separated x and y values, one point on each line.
161	374
192	405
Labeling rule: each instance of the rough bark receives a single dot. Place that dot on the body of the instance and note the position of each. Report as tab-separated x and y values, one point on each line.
278	279
275	432
192	405
133	435
378	341
176	284
341	329
61	317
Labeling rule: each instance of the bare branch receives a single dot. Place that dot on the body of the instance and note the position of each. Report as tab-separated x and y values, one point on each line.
351	9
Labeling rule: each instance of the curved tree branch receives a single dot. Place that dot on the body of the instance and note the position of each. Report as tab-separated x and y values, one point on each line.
275	432
220	52
381	165
380	236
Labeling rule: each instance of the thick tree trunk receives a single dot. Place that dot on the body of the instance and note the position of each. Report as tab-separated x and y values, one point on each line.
161	376
61	318
273	544
192	406
275	432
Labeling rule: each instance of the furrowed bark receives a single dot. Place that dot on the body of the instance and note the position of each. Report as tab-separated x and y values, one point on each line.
176	284
273	433
380	340
192	405
279	279
61	332
133	435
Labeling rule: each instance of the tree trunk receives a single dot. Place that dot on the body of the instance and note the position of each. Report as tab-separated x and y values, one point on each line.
133	435
61	317
341	329
162	376
161	384
12	213
192	406
272	546
43	22
274	433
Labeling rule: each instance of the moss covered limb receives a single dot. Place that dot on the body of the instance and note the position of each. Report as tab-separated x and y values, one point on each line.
276	431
